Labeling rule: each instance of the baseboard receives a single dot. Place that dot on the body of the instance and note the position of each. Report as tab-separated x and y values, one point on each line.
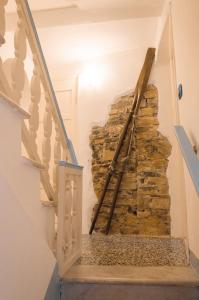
194	261
53	291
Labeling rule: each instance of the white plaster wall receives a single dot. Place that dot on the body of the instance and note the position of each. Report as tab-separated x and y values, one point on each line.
24	179
185	16
64	45
162	78
26	261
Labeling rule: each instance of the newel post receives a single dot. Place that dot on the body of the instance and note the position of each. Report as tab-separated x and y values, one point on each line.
69	229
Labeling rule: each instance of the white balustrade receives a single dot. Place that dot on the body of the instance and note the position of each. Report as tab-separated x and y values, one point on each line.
44	136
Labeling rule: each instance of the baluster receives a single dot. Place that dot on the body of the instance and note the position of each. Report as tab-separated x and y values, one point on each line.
34	106
18	72
46	145
74	212
2	21
67	215
79	208
57	158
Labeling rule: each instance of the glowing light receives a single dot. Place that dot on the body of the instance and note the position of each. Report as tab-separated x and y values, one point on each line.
93	75
88	52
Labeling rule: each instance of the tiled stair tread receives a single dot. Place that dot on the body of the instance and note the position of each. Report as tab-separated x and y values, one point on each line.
132	250
133	275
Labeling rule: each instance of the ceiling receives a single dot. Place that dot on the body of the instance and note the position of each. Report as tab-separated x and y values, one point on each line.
88	41
50	13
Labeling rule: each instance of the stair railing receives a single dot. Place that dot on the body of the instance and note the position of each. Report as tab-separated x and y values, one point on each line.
43	135
25	33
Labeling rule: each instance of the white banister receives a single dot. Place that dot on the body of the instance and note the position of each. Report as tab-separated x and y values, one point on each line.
25	32
44	136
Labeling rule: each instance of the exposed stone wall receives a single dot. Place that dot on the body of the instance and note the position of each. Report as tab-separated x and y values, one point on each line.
143	204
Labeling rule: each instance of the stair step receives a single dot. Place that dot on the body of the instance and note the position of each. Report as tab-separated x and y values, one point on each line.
81	291
130	283
132	268
132	275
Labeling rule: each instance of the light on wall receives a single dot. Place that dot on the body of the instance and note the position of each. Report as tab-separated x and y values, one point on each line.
93	75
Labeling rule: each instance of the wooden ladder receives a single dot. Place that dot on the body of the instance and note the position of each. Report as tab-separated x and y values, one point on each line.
138	94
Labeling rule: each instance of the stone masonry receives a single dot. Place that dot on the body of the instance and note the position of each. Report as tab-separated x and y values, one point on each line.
143	204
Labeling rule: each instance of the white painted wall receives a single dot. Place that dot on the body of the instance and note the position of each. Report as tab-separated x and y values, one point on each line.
26	260
64	45
167	115
185	16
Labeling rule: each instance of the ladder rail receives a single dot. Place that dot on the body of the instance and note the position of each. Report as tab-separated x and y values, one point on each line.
139	91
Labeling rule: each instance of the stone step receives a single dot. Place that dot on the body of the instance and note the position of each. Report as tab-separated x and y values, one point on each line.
132	250
130	283
132	268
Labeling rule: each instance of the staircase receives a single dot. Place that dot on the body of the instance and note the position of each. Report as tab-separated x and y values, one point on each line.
130	267
40	209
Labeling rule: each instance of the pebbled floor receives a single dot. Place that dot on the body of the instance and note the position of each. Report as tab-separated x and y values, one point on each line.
132	250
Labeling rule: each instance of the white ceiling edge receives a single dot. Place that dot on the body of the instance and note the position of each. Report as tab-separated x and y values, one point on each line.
37	5
67	17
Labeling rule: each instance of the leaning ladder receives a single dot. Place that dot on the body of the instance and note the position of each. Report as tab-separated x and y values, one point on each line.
138	94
